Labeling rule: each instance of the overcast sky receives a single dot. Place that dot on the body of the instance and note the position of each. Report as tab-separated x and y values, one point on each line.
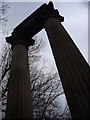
75	20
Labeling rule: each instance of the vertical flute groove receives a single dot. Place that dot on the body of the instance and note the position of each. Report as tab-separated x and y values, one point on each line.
72	67
19	102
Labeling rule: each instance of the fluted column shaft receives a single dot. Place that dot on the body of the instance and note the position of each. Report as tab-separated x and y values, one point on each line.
19	102
72	67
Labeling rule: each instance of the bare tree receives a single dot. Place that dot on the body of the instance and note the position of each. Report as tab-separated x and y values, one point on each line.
3	10
45	84
5	67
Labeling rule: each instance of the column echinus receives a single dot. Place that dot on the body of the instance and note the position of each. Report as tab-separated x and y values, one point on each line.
19	102
72	67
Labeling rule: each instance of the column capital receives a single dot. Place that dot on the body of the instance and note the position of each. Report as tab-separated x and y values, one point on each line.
55	14
13	40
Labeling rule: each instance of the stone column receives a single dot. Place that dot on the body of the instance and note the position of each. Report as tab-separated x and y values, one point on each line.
72	67
19	100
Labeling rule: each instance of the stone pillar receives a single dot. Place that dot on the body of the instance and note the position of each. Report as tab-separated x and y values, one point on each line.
19	100
72	67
